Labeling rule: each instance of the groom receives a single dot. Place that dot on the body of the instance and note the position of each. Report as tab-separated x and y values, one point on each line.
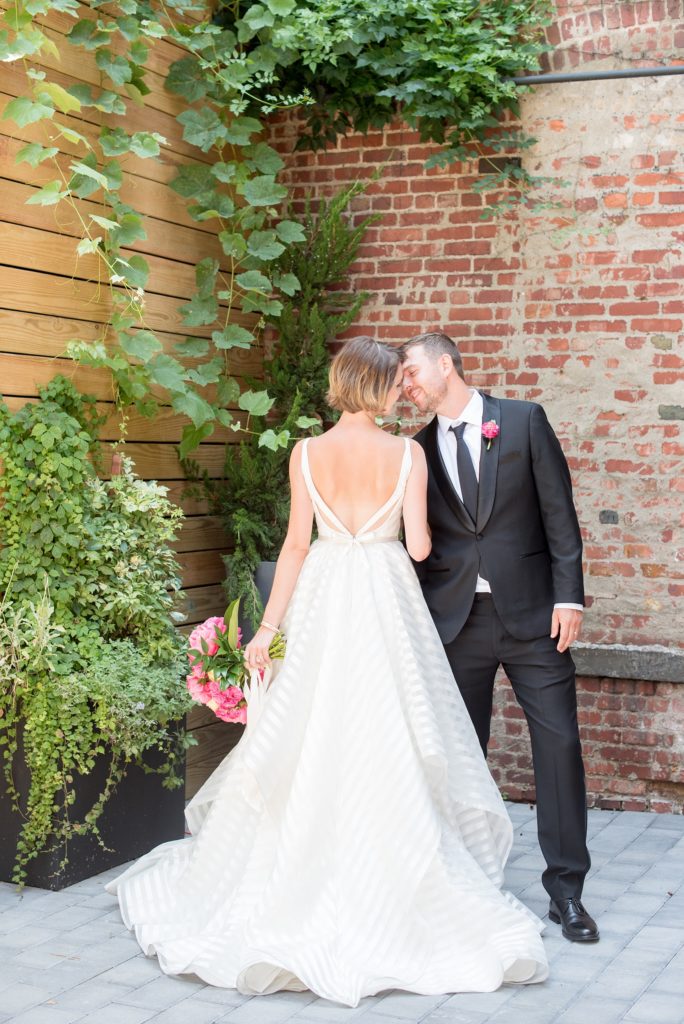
504	585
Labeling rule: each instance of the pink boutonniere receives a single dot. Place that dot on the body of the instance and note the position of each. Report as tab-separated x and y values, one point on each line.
490	430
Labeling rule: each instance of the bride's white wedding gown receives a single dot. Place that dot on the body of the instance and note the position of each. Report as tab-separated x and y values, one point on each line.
354	840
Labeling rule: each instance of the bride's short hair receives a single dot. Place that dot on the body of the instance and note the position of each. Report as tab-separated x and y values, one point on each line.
361	375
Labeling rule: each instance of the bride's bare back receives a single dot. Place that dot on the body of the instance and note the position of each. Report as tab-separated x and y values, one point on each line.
355	471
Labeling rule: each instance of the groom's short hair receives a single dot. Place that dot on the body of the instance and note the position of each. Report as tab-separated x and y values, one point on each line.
436	344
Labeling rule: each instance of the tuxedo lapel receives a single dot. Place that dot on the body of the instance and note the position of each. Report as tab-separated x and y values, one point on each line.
434	460
489	463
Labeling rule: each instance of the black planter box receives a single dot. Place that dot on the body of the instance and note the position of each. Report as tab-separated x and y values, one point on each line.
139	815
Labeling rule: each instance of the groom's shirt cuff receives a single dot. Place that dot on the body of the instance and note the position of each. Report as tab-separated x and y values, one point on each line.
577	607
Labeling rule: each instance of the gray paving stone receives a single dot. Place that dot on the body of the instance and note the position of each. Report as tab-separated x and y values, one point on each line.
656	1008
668	940
595	1009
264	1010
134	972
332	1013
117	1013
162	992
89	995
20	996
408	1006
47	1013
191	1011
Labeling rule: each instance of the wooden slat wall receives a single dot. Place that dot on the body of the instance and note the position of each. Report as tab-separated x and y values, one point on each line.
48	296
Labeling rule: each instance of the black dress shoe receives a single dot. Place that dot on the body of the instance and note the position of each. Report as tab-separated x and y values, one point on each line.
576	924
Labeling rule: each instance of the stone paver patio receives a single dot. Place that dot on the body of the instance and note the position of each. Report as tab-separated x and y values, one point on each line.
66	957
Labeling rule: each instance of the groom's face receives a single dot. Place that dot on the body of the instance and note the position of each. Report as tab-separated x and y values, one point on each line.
424	380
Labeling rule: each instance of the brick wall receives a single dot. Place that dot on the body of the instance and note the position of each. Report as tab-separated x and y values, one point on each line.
581	309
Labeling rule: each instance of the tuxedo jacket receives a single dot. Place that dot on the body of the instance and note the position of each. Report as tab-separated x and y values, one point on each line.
526	541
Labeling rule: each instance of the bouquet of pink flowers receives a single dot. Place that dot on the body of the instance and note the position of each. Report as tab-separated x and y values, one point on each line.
218	674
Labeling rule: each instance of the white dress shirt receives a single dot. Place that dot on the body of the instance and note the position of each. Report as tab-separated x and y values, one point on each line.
472	436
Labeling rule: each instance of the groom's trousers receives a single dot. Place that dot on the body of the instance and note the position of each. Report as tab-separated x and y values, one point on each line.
543	681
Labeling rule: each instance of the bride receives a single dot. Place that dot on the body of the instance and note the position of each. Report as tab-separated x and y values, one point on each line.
354	840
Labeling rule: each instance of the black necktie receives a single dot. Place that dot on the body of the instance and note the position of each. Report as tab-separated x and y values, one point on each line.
466	472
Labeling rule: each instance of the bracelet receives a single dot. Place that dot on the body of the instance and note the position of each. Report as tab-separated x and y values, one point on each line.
268	625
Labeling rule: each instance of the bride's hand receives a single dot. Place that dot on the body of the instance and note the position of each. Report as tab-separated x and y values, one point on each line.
256	651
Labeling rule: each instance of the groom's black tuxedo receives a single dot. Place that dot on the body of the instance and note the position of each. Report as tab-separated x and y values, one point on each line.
526	543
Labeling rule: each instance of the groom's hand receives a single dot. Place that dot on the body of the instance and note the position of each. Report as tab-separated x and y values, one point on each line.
566	624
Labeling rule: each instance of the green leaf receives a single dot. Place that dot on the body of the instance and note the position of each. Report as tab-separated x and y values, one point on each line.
192	437
205	276
240	130
287	283
24	111
142	345
58	96
269	439
258	17
199	311
134	269
86	33
114	175
167	372
193	181
202	128
263	191
114	141
227	391
289	231
104	222
34	154
116	67
232	336
88	245
281	7
254	280
71	136
230	619
194	348
48	195
224	172
185	78
206	373
82	169
146	144
305	422
264	245
192	405
129	28
256	403
233	244
130	229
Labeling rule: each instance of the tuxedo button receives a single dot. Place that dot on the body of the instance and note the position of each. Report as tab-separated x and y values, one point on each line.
480	536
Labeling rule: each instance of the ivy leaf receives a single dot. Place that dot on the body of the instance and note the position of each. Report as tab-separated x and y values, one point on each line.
202	128
269	439
146	144
195	348
254	280
258	17
281	7
233	244
58	96
193	181
34	154
129	28
87	34
253	302
224	172
205	276
232	336
241	129
289	231
256	403
142	345
264	245
199	311
305	422
82	169
48	195
71	136
288	283
114	175
114	141
192	405
224	417
116	67
185	78
167	372
263	191
192	438
206	373
227	391
104	222
130	229
24	111
88	245
134	270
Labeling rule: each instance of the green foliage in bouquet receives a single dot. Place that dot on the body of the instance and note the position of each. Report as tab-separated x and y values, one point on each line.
252	498
90	661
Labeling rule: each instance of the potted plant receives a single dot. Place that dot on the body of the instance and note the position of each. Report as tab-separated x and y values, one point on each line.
91	666
252	497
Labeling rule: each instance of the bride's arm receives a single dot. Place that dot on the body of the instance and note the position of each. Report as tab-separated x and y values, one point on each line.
416	529
292	554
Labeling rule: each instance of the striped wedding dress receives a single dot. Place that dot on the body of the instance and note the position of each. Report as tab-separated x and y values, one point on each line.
354	840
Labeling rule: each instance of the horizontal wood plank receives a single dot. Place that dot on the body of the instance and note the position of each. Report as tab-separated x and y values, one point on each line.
201	602
156	460
214	743
201	533
201	568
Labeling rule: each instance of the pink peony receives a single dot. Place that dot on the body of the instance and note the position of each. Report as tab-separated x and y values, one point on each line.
196	685
206	631
490	429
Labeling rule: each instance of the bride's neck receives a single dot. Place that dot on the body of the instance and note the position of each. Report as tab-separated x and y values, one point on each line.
359	420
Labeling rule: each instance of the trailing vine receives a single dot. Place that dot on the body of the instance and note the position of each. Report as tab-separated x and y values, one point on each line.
90	662
444	66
